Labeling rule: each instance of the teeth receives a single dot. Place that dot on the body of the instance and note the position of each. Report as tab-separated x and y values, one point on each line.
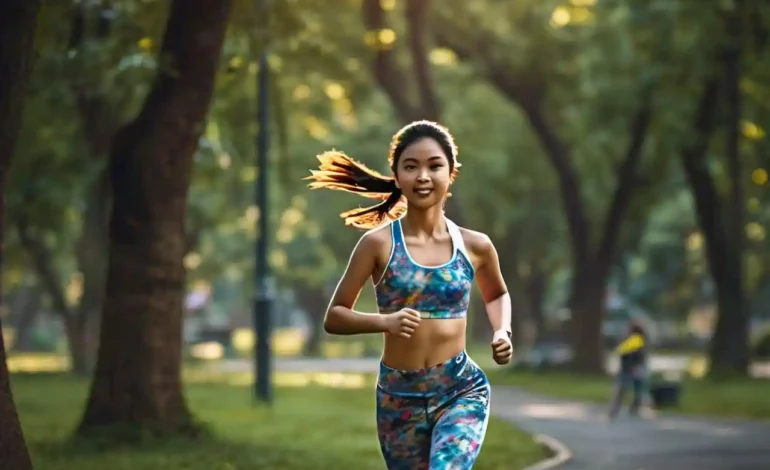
423	191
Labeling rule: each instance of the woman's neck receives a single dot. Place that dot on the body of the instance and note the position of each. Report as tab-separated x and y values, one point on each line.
425	222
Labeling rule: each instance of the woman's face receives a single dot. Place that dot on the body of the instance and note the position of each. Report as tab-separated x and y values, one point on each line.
423	173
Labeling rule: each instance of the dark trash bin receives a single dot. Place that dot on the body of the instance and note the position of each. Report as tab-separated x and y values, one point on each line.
666	394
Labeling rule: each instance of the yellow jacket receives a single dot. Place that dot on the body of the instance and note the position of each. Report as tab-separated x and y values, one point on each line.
633	343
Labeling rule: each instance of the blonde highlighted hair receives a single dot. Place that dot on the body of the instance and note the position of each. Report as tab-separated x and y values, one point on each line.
340	172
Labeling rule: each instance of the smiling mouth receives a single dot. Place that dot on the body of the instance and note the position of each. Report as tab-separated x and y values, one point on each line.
423	192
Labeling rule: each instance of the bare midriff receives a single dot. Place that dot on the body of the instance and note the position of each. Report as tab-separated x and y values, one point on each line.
433	342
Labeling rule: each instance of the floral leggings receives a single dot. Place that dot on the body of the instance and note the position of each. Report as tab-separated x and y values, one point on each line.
434	418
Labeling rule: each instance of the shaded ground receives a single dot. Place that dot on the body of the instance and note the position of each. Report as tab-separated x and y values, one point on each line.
663	443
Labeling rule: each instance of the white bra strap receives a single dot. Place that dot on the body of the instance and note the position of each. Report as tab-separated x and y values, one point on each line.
457	237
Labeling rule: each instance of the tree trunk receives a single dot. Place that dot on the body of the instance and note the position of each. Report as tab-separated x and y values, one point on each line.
729	352
312	299
587	306
24	313
18	21
75	321
721	219
137	385
92	253
80	361
535	289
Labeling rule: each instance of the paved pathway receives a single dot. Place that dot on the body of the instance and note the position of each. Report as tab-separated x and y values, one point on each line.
662	443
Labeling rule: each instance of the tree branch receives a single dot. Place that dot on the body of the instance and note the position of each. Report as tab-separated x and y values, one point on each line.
385	69
529	98
707	201
416	21
42	261
100	121
626	182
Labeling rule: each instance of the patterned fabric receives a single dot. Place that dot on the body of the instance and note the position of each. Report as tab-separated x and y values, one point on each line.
436	292
434	418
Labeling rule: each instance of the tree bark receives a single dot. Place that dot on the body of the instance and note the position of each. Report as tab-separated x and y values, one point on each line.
721	219
18	21
729	351
137	386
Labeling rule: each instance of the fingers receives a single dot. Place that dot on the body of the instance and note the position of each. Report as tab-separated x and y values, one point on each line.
409	322
504	358
412	313
501	346
407	329
502	351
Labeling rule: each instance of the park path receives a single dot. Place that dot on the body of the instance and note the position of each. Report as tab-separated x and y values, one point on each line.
661	443
667	442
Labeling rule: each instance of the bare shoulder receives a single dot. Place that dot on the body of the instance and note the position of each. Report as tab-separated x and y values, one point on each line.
479	246
476	242
376	238
376	243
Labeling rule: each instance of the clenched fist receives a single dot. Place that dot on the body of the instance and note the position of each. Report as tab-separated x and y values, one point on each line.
402	323
502	348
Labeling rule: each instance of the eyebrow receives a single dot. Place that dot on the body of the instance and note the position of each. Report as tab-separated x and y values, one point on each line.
434	157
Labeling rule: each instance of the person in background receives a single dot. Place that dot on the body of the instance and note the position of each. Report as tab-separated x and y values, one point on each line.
633	369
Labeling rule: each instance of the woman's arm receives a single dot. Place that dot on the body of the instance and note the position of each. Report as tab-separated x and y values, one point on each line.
495	294
492	285
340	318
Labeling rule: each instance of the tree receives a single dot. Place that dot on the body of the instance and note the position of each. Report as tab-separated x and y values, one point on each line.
62	170
18	19
535	85
137	381
391	76
721	215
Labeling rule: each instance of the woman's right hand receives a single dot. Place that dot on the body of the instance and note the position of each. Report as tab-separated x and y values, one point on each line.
402	323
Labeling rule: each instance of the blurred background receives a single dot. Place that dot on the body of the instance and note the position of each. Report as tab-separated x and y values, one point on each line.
614	150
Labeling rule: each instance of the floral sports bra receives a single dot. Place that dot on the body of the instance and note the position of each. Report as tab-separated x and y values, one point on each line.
437	292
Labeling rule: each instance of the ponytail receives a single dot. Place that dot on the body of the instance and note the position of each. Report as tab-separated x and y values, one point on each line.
340	172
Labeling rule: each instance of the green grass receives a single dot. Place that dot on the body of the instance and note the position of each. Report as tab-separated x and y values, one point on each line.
743	398
309	427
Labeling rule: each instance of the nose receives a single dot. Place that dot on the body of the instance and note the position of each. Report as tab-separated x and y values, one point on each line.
423	176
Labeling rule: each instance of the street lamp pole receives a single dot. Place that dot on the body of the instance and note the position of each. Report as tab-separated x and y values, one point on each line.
263	301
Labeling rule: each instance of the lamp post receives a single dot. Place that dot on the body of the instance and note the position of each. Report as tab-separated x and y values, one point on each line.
263	300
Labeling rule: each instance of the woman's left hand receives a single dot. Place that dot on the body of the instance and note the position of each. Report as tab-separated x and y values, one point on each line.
502	348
